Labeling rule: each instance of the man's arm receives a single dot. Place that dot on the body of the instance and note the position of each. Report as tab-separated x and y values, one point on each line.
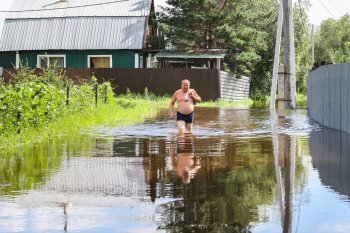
196	98
171	105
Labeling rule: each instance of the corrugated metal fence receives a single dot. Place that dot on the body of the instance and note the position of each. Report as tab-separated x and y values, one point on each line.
233	88
206	82
328	89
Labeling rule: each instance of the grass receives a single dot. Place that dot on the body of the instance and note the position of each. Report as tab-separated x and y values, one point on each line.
245	103
126	111
226	103
301	100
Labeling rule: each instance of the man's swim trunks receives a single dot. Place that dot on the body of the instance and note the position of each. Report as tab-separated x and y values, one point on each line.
183	117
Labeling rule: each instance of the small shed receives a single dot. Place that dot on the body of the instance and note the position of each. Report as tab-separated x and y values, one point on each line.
199	58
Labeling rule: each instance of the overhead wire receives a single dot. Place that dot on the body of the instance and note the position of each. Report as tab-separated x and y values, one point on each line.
326	8
337	7
63	8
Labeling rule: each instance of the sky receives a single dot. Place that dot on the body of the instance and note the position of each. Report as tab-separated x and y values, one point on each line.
319	10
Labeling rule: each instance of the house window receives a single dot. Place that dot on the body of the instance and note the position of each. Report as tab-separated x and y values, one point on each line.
100	61
46	61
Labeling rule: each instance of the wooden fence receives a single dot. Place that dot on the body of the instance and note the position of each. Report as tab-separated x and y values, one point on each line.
158	81
211	84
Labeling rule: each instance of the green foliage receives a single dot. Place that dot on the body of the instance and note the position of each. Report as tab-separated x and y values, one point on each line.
53	76
262	73
29	105
33	101
126	103
209	24
24	74
332	41
106	94
50	75
302	48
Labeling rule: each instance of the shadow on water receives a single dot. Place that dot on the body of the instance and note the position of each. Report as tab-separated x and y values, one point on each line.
240	171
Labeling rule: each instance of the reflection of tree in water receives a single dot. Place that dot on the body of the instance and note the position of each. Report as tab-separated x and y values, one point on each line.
235	179
226	192
32	166
28	168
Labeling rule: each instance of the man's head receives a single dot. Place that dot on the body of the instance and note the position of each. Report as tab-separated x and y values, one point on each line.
185	84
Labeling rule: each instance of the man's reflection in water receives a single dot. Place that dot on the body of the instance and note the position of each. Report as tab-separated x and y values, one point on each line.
184	163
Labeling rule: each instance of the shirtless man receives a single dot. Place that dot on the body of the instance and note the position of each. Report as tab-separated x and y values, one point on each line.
186	98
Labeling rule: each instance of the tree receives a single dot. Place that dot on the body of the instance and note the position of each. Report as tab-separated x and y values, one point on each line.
210	24
247	29
332	41
302	47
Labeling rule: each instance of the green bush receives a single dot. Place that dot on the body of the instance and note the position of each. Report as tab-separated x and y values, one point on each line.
34	100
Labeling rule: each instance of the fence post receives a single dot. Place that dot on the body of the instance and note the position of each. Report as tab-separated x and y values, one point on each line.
96	94
67	95
106	93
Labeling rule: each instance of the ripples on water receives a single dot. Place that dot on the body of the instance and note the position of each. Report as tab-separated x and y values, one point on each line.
232	175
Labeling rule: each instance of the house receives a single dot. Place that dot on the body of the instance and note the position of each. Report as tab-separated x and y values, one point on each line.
78	33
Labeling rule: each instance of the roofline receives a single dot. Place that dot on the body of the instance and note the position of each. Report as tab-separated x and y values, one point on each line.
66	17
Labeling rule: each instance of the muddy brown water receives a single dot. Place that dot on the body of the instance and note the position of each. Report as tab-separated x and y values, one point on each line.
242	170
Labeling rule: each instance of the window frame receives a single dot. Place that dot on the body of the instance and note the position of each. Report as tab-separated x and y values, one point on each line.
108	55
39	56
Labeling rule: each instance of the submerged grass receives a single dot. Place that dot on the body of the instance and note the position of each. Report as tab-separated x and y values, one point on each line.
226	103
245	103
126	111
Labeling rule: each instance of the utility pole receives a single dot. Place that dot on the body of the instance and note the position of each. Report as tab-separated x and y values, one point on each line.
285	18
277	57
289	55
292	58
312	45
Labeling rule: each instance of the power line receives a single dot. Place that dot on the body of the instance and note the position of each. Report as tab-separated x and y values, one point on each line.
326	8
337	7
63	8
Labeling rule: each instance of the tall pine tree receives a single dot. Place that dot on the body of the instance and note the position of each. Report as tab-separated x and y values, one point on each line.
219	24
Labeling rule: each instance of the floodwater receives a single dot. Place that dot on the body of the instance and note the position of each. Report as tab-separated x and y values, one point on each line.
242	170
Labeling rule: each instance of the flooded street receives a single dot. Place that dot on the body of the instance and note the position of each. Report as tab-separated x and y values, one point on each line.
241	171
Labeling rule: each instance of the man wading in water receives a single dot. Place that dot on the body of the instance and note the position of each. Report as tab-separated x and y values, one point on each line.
186	98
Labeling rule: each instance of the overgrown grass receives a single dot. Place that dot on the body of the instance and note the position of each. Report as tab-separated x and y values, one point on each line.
226	103
246	103
301	100
125	111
